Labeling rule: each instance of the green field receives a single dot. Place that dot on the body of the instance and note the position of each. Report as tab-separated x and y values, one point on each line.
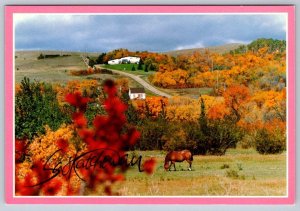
128	68
241	172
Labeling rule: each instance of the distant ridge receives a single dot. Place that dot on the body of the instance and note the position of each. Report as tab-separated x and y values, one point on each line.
216	49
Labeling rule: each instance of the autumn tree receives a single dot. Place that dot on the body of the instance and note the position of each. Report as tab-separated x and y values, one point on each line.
235	96
218	134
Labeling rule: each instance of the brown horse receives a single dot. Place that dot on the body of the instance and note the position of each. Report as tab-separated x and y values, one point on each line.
178	156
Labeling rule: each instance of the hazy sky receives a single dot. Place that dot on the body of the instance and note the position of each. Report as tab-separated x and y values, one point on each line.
102	33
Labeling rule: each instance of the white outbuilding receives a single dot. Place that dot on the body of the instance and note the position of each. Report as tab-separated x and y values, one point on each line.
137	93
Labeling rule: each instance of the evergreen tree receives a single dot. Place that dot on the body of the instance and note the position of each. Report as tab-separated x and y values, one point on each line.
140	65
203	119
91	62
146	68
100	59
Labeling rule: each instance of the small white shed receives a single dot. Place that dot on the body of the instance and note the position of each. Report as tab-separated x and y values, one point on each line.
137	93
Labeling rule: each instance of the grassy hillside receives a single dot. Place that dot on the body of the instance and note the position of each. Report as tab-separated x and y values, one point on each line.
54	70
217	49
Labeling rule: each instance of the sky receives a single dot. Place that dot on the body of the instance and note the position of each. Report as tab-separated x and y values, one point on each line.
157	33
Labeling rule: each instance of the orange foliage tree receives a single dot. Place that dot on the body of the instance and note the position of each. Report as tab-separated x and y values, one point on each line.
235	97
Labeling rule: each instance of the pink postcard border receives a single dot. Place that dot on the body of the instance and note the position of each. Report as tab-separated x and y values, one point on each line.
11	199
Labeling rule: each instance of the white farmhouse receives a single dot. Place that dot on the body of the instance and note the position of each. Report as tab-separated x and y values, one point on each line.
137	93
114	61
132	59
127	59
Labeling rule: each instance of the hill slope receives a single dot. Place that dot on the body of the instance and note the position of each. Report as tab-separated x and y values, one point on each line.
217	49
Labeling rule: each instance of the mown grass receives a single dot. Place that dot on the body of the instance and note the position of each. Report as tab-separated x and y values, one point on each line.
246	173
128	68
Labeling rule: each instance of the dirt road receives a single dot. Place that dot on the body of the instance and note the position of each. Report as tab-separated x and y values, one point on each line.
140	81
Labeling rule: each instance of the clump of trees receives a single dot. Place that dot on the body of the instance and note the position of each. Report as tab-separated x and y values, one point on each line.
46	56
36	105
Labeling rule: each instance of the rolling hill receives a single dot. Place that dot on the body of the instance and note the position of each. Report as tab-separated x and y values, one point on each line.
218	49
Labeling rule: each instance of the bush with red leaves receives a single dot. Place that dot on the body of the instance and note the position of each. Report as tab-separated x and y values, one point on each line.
21	150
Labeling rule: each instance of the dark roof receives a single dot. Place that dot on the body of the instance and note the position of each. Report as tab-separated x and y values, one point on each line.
137	90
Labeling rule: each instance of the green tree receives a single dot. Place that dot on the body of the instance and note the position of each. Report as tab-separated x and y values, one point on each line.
133	68
100	59
41	56
91	62
216	136
146	68
140	65
36	105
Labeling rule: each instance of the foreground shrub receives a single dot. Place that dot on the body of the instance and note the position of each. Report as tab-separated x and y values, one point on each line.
178	139
270	142
221	135
90	71
218	134
43	146
152	132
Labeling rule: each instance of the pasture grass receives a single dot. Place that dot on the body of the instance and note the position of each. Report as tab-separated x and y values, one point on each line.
189	92
127	68
246	173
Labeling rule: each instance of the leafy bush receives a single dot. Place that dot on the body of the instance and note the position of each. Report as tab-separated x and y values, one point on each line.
90	71
270	142
41	56
36	105
234	174
224	166
177	139
152	132
218	134
221	135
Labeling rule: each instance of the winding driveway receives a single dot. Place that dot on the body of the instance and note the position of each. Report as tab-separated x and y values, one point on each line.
140	81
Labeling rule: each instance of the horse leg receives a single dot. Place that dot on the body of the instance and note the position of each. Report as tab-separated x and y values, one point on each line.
190	162
173	164
170	166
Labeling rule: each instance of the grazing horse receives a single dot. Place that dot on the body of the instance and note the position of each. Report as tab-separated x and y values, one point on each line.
178	156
